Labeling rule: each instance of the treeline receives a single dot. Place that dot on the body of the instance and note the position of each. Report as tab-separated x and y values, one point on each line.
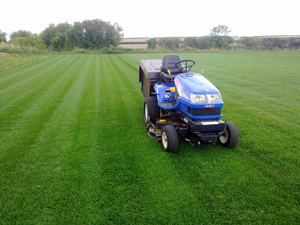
219	39
101	36
89	34
224	43
256	43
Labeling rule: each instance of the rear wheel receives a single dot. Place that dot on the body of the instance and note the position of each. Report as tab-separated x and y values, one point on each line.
230	137
151	109
169	139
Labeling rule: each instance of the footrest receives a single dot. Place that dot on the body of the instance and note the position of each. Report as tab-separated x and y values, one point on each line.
166	106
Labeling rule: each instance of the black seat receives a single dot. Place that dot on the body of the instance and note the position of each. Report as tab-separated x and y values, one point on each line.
168	64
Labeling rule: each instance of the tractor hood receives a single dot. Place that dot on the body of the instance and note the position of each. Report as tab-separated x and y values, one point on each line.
195	87
196	84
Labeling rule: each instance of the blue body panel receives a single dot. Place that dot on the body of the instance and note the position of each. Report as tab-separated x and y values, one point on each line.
186	84
164	94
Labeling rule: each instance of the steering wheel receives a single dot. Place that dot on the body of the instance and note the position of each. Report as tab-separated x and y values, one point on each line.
185	68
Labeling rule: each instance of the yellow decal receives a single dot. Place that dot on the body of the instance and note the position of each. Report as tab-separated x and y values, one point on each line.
169	72
172	89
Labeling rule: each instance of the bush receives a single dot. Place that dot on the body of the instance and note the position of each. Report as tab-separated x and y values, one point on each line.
294	43
204	43
209	42
221	42
191	42
31	41
169	43
16	49
274	43
250	43
152	43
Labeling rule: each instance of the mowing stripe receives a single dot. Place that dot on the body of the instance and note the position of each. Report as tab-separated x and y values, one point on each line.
35	116
132	166
26	71
41	79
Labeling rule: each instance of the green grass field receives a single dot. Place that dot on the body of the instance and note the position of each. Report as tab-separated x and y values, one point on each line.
10	61
74	148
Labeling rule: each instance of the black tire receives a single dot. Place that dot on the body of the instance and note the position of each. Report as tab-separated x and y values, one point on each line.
151	109
230	137
169	139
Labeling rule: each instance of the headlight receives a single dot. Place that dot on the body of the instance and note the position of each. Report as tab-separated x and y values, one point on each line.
209	98
214	98
198	98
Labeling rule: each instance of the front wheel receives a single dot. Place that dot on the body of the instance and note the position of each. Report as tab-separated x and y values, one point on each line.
230	137
169	139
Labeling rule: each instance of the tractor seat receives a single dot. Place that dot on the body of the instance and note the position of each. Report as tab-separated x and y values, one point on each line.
168	64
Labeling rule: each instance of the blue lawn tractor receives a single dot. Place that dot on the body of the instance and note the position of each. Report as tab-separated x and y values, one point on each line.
182	104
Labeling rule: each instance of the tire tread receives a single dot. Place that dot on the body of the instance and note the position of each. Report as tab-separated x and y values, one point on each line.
153	108
172	137
233	135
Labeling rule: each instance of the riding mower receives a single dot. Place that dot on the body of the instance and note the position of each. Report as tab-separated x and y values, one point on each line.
182	104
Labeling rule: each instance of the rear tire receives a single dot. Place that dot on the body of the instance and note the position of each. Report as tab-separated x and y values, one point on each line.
230	137
151	109
169	139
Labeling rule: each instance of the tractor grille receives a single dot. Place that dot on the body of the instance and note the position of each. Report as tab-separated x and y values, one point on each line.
205	111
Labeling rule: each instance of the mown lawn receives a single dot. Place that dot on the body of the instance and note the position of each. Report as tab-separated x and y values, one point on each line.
74	148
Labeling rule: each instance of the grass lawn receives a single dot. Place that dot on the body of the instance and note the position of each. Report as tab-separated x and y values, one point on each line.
10	61
74	148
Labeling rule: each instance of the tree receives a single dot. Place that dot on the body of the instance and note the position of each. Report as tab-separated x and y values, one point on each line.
152	43
220	30
219	37
2	36
90	34
58	42
54	36
20	33
100	34
113	34
48	34
74	36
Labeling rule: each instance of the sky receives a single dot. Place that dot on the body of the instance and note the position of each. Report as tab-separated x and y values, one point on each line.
157	18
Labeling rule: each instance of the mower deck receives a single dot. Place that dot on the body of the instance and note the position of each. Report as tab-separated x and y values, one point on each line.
201	132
